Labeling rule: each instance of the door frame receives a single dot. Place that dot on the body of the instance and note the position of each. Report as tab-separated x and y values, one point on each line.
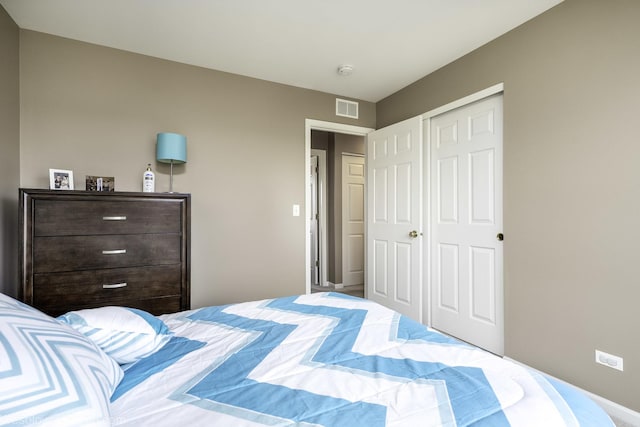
312	124
427	196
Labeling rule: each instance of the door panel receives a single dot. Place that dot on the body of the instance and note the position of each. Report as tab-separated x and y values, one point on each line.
379	188
483	284
448	283
466	186
379	266
447	194
394	165
403	193
482	198
403	272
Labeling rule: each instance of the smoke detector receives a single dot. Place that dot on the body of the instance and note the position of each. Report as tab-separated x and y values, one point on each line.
345	70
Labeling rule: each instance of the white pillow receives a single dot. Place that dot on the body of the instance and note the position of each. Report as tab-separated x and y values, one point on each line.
125	334
50	374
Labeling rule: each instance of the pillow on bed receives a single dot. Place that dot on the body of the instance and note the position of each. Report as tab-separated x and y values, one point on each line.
125	334
49	373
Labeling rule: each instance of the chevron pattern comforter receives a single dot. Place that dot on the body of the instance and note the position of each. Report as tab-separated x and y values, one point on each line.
332	360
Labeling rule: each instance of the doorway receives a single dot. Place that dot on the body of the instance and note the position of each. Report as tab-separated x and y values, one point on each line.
340	132
337	216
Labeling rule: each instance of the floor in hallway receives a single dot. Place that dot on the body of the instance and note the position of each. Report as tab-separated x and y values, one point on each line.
357	290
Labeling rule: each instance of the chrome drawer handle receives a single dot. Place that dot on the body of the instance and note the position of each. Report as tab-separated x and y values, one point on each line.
114	286
114	252
114	218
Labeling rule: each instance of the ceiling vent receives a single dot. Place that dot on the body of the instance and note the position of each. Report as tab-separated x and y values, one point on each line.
346	108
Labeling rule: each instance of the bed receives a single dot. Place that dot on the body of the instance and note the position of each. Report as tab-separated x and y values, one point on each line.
323	359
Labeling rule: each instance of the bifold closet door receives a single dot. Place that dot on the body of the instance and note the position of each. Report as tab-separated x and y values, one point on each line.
466	223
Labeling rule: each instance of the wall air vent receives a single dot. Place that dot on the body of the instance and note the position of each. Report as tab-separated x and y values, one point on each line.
346	108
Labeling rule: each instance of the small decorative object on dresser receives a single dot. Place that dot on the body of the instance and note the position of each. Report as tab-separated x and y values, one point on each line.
60	179
100	183
148	180
91	249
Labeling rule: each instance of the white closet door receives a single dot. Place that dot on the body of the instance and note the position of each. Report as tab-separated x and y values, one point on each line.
466	214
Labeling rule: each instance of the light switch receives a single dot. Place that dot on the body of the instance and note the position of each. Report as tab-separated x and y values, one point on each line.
296	210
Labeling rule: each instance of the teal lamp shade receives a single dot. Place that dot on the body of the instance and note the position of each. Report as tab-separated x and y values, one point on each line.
171	148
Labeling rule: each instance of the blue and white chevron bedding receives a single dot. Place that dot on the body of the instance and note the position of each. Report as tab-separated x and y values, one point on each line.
50	374
332	360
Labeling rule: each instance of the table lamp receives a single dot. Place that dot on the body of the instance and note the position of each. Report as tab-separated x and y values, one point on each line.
171	148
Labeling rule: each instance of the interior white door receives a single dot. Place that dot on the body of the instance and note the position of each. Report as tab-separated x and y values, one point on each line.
313	219
353	179
394	217
466	216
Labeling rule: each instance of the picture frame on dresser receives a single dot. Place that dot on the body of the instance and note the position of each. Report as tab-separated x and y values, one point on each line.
100	183
60	179
82	249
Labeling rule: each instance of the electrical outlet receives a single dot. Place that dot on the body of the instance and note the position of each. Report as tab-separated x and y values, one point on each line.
609	360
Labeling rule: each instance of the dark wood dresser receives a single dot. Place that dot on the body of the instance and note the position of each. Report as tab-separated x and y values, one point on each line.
82	249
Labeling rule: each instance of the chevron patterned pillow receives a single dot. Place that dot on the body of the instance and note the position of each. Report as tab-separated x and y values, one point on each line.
49	373
125	334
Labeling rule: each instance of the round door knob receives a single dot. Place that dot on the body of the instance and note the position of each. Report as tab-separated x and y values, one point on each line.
500	237
413	234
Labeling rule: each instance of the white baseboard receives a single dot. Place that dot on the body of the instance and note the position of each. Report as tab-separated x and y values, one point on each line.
335	285
614	409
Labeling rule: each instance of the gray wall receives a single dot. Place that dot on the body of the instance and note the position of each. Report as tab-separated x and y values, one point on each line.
571	185
96	111
9	153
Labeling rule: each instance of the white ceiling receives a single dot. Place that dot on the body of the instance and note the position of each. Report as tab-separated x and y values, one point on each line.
390	44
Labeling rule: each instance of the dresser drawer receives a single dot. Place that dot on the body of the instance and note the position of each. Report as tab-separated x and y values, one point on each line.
67	253
81	217
161	305
57	293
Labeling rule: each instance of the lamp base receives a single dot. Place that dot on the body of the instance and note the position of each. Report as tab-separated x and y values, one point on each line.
171	179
